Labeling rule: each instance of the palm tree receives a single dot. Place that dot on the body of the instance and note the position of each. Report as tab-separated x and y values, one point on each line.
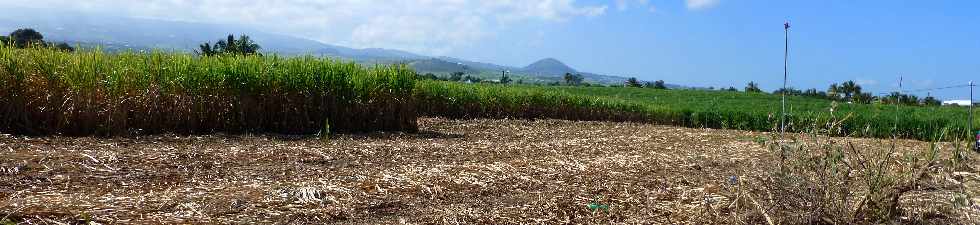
246	46
834	91
206	50
573	79
243	46
894	97
931	101
504	79
752	87
228	45
850	89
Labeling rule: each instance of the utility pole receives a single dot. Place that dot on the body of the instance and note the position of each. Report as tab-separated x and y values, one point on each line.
898	101
782	119
970	123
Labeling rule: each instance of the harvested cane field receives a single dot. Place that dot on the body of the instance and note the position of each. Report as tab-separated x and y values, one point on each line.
487	172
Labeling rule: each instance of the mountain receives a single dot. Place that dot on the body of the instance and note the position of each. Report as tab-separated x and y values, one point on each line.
380	53
113	33
141	33
478	65
548	67
120	33
546	70
436	65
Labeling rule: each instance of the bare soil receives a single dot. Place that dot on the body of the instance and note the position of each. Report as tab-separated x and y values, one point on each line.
451	172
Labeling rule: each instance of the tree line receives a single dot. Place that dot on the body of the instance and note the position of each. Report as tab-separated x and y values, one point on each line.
230	46
460	77
244	45
28	37
850	91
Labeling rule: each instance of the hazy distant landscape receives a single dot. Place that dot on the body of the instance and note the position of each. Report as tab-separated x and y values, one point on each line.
121	34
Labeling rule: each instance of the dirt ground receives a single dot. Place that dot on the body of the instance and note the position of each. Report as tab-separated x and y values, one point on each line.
452	172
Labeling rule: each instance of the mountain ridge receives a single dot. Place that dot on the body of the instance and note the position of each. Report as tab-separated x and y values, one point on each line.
549	67
121	33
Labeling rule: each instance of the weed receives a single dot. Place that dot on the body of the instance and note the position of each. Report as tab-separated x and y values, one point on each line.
824	180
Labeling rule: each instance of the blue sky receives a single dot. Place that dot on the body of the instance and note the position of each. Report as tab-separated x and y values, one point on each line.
929	43
702	43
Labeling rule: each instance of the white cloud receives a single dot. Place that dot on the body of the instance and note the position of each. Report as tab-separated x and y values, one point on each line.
433	27
623	5
701	4
425	26
866	82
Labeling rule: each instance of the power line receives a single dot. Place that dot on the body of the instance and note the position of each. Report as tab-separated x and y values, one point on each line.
925	89
939	88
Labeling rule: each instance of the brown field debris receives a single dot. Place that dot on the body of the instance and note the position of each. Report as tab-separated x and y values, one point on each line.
451	172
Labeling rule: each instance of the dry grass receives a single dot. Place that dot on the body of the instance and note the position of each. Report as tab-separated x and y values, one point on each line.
452	172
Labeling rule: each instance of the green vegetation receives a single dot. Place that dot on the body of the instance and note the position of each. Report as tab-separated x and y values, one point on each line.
27	37
633	82
458	100
44	91
659	84
242	46
752	87
573	79
230	87
504	79
850	91
690	108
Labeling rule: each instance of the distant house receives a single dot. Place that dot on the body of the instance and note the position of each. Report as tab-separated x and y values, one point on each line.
957	102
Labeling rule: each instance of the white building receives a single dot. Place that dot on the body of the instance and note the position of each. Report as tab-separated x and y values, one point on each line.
957	102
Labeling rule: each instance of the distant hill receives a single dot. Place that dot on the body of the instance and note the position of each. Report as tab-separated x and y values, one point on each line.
379	53
477	65
119	34
548	67
140	33
436	65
